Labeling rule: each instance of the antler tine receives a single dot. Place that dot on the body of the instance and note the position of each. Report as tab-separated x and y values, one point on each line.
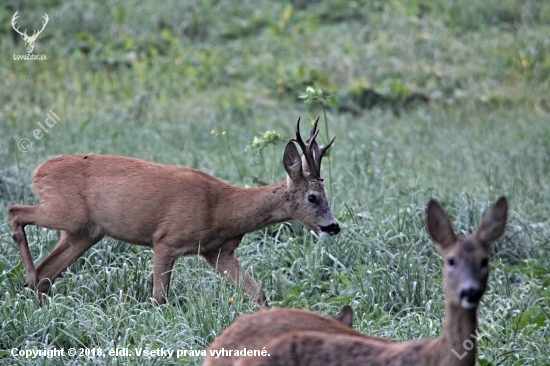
43	25
314	131
14	20
312	153
46	18
312	140
306	150
319	152
298	138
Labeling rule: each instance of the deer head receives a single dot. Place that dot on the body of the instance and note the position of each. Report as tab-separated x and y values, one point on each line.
305	183
466	258
29	40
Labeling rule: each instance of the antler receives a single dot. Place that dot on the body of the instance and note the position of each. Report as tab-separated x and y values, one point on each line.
311	150
43	26
24	34
13	20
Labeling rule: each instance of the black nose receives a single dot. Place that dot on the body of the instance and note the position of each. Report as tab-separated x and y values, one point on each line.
472	294
331	229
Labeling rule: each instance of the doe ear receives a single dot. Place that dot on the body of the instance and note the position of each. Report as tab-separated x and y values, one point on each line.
439	225
345	316
293	162
493	223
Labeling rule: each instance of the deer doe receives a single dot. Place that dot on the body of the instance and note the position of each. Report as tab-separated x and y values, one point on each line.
243	333
175	210
466	270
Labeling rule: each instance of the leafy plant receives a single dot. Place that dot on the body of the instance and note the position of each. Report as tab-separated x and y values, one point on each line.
314	95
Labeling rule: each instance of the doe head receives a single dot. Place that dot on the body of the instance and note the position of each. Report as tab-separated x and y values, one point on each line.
306	200
466	267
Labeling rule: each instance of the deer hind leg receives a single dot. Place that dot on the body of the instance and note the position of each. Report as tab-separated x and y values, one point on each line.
56	217
67	250
21	216
227	264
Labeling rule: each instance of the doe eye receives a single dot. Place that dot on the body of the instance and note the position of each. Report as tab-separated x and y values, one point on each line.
451	261
484	262
312	198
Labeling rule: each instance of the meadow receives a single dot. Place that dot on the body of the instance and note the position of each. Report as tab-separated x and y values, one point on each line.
426	98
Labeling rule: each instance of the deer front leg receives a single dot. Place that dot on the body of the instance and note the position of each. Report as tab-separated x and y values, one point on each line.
163	262
223	259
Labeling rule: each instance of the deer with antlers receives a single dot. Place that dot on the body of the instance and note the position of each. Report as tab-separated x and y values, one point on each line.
29	40
175	210
466	271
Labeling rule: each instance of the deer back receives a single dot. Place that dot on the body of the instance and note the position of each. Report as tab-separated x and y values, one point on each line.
254	331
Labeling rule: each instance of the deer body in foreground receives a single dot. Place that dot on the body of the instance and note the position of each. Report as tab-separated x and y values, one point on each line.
243	333
465	279
175	210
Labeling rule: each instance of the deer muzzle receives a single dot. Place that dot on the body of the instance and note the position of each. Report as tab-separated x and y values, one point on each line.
331	229
470	296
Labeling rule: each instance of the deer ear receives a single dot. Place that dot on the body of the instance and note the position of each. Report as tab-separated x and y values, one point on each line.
345	316
493	223
305	166
293	162
439	225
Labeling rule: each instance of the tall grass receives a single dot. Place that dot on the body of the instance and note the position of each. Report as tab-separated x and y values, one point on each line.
435	100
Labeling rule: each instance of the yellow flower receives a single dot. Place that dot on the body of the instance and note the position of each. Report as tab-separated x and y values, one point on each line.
223	133
231	299
212	132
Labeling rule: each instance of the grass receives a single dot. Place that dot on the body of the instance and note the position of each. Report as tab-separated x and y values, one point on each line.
435	99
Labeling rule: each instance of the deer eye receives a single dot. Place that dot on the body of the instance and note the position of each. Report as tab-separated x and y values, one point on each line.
313	199
451	261
484	262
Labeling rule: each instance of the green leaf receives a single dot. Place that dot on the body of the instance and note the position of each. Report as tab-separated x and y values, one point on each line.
533	317
332	100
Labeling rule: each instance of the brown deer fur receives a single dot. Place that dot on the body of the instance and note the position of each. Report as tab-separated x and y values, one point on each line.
254	331
175	210
465	279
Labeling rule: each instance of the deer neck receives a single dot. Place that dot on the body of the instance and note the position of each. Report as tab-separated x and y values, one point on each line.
250	209
457	344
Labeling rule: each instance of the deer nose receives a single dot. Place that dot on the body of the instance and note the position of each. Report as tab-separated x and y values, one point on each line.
331	229
470	296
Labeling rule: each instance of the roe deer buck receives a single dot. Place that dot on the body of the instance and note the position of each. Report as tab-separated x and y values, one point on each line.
175	210
466	272
243	333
